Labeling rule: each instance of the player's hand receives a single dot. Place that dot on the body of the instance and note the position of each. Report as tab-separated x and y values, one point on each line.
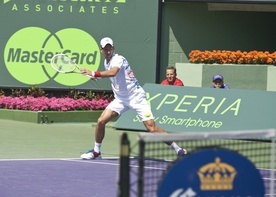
93	78
88	73
85	71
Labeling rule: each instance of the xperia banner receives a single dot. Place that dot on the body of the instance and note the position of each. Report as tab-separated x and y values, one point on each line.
184	109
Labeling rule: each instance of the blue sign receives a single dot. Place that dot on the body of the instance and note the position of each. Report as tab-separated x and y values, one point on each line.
212	172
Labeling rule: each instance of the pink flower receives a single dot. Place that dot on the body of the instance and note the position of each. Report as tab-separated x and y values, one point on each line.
51	104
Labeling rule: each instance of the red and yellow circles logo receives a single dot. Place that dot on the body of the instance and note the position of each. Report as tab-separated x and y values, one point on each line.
28	54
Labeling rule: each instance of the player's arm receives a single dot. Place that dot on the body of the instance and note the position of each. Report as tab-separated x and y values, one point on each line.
109	73
101	74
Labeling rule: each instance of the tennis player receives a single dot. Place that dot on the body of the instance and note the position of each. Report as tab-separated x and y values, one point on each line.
128	95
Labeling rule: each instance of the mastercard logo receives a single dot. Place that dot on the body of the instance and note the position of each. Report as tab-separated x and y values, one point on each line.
28	53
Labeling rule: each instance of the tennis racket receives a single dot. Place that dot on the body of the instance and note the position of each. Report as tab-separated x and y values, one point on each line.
64	64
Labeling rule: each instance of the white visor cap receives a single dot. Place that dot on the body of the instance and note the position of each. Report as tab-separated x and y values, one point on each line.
106	41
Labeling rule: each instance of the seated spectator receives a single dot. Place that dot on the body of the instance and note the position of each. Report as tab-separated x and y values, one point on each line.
218	82
171	78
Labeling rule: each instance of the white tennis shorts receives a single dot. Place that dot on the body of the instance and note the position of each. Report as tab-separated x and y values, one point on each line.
138	102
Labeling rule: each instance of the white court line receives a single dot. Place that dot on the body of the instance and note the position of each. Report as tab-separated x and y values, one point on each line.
36	159
98	162
266	169
117	164
269	179
54	159
68	160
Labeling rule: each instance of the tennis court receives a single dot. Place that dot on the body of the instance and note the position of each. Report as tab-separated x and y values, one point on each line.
43	160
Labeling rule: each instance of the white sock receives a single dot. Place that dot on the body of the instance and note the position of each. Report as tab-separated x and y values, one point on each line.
97	147
175	147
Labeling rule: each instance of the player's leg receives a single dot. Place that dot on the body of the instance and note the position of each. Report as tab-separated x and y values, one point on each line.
114	109
142	108
153	128
104	118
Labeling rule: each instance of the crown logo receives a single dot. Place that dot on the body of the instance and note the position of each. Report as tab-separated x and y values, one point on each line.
216	176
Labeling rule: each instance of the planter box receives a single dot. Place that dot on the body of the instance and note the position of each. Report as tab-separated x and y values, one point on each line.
50	116
237	76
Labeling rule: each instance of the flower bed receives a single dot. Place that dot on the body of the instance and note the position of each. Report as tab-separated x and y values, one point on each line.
51	104
50	116
232	57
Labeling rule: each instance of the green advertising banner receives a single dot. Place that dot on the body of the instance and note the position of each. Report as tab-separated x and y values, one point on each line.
33	31
185	109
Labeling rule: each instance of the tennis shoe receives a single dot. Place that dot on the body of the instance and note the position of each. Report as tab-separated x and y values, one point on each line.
91	154
181	152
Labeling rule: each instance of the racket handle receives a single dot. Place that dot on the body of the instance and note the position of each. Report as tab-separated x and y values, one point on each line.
93	78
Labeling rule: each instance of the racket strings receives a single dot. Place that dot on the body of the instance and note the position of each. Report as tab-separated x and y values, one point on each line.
63	63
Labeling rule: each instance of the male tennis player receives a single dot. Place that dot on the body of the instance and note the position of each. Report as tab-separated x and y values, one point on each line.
128	95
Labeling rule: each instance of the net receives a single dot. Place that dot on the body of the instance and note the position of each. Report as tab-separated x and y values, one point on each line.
63	63
154	160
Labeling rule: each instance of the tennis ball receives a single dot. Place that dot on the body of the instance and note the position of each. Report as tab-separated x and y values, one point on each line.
148	114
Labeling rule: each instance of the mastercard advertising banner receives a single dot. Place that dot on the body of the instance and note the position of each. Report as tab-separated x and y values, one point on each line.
32	32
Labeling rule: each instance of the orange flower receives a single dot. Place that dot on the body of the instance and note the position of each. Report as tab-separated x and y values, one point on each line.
232	57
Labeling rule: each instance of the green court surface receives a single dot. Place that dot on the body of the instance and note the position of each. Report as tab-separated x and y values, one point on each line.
21	140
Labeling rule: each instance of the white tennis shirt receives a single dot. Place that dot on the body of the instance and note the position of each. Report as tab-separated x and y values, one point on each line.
124	83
